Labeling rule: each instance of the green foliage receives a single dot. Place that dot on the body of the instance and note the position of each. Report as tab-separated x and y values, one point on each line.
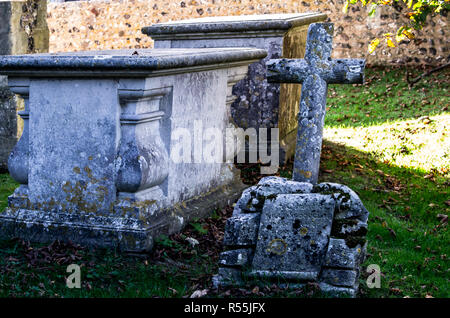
418	12
7	186
165	241
200	228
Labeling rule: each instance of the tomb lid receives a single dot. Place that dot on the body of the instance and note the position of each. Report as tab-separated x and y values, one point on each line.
258	25
126	63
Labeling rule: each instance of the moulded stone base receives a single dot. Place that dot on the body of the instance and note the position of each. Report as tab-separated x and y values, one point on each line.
339	291
287	275
85	229
125	233
7	222
227	277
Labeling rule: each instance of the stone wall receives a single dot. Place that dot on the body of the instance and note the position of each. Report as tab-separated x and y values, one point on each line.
8	122
114	24
23	29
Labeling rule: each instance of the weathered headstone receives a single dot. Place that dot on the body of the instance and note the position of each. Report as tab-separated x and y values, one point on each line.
95	161
257	103
299	231
295	229
315	72
23	29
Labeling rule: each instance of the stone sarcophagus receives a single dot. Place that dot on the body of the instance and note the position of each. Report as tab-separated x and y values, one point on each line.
258	104
95	160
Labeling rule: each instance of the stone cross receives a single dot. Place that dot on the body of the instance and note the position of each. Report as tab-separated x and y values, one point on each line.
314	72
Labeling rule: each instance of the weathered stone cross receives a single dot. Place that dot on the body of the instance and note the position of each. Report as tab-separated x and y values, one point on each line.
315	72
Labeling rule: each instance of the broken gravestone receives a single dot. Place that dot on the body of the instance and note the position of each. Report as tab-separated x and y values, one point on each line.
298	231
293	233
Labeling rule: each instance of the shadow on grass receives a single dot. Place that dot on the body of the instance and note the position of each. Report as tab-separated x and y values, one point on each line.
407	226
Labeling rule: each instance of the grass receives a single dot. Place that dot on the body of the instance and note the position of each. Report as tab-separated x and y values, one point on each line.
394	150
7	186
385	98
388	143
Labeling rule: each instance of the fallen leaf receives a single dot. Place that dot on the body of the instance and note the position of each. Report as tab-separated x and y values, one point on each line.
392	233
443	218
174	291
199	293
192	241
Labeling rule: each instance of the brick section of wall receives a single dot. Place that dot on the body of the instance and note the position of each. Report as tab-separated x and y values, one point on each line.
115	24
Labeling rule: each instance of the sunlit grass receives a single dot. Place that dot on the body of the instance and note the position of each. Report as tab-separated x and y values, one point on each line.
422	144
385	97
